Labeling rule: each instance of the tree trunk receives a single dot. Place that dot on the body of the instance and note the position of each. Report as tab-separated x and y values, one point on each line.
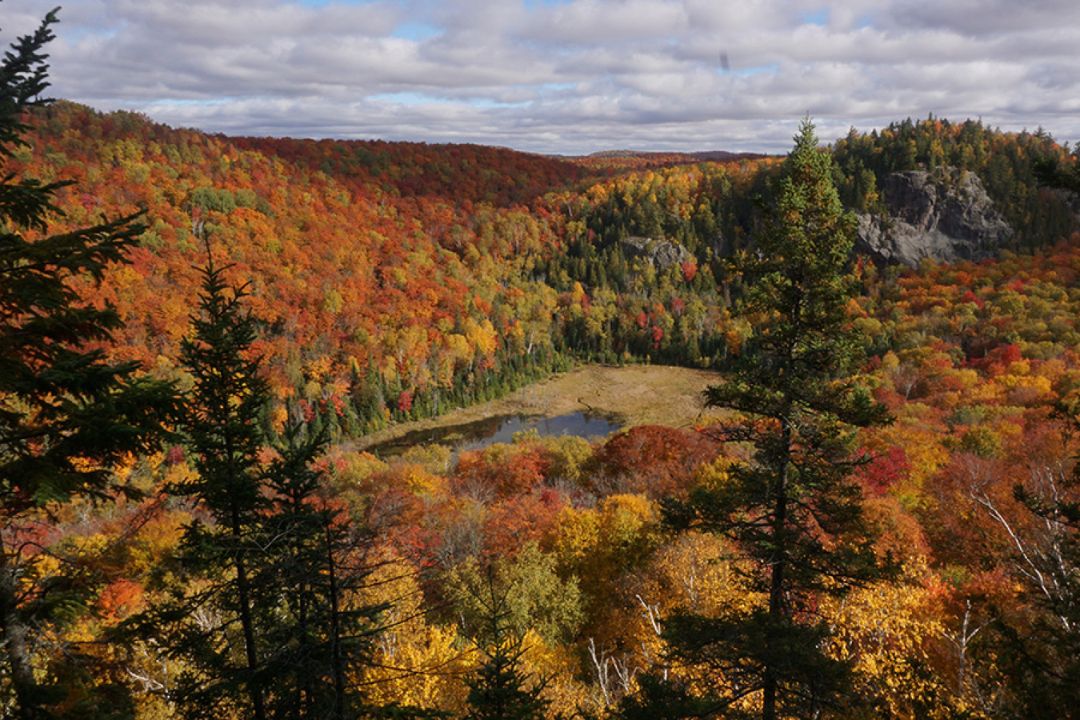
246	622
335	629
305	692
770	683
15	632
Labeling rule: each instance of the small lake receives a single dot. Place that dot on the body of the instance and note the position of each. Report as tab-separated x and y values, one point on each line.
498	429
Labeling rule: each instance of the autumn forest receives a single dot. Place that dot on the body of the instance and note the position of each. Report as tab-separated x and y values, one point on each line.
878	516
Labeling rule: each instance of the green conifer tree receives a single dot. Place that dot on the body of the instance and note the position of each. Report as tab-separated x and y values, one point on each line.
501	689
266	615
222	424
793	509
67	414
317	564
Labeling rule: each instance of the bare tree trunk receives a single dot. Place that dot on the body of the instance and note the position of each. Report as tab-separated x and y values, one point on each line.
15	634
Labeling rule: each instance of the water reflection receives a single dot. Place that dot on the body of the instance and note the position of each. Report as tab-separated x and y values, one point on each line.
497	429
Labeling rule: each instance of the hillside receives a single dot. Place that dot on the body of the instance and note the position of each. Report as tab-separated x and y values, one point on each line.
465	173
320	429
392	281
397	279
356	278
394	278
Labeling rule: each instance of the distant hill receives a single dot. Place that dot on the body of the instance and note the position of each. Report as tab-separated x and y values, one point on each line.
387	275
703	156
615	160
395	279
476	173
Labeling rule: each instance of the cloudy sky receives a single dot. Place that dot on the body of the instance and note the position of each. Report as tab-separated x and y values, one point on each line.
567	76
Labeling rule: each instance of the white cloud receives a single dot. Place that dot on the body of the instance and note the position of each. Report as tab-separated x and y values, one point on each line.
569	76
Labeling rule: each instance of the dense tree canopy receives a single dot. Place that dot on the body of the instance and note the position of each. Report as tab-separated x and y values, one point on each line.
257	564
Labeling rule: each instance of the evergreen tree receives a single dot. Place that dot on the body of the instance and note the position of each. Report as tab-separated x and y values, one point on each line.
1055	172
317	564
501	689
222	424
269	620
793	509
67	414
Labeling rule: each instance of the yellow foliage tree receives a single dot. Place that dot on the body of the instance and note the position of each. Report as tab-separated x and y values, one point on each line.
885	630
416	664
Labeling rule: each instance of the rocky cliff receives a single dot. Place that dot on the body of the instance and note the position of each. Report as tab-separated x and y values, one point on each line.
944	216
661	253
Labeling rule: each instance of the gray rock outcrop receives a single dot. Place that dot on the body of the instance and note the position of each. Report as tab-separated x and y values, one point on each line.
661	253
945	216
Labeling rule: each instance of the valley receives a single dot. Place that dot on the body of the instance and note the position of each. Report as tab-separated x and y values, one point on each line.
627	396
297	429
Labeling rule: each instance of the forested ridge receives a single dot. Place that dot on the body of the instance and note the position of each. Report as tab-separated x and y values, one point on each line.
195	326
393	275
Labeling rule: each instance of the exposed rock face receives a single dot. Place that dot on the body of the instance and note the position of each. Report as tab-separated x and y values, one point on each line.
661	253
946	216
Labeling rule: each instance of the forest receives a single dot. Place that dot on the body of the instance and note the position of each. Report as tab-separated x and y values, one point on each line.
194	330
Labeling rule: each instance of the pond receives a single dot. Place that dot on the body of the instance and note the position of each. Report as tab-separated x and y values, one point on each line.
499	429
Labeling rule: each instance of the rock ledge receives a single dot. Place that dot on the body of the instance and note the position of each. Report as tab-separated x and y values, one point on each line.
944	216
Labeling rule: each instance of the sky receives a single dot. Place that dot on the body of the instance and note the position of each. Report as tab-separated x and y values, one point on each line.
567	76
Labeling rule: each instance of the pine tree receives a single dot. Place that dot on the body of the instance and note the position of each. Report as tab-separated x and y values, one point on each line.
269	620
501	689
318	563
1059	174
67	414
793	509
222	424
